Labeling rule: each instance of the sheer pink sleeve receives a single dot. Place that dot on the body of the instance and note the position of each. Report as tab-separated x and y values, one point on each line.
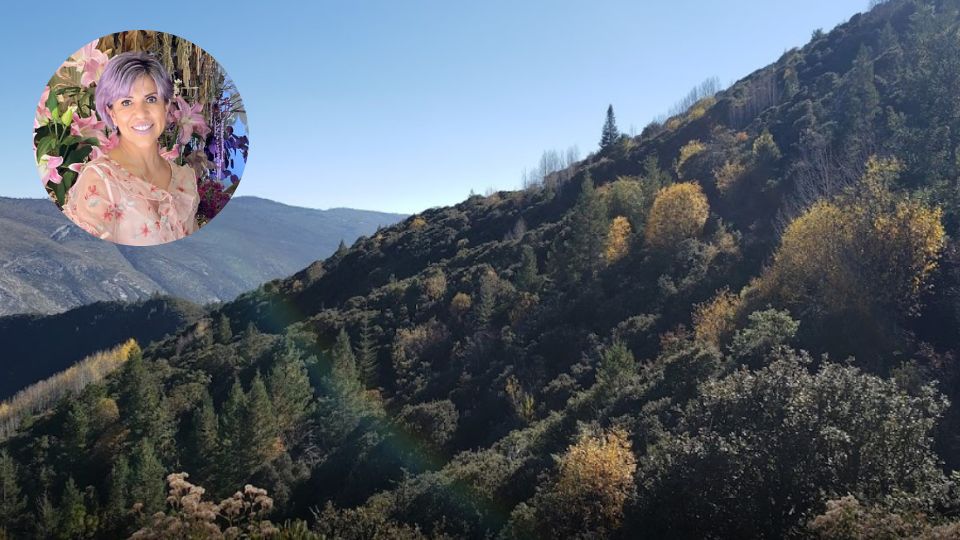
91	203
190	188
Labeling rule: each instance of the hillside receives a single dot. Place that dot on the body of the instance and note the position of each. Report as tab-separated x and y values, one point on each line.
740	324
50	265
36	346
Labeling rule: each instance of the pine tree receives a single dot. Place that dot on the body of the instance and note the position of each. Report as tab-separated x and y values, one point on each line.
147	479
12	503
73	513
528	277
367	355
616	367
610	134
76	428
344	377
489	290
232	441
339	409
48	517
118	496
203	442
289	387
578	253
141	405
260	429
224	332
861	105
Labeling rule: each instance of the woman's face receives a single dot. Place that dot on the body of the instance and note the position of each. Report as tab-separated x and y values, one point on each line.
141	116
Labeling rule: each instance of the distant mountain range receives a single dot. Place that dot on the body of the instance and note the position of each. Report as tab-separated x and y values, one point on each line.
49	265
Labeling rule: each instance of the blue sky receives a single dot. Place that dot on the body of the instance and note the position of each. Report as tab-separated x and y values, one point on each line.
402	106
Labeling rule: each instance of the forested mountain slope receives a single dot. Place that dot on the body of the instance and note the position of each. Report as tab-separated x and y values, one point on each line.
742	323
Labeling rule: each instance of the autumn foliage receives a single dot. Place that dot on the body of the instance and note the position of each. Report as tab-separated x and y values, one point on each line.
618	240
594	480
679	212
859	253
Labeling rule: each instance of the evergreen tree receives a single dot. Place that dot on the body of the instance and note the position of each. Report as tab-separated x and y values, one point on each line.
141	405
232	441
338	411
12	503
76	428
528	276
48	518
367	355
617	366
345	380
147	479
260	429
654	177
290	392
73	513
487	297
118	495
860	106
224	332
579	250
203	441
610	134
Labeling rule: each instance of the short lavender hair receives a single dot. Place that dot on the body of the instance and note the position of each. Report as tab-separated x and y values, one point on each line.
119	75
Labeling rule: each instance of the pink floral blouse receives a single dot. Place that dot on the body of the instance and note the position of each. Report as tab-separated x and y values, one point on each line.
110	203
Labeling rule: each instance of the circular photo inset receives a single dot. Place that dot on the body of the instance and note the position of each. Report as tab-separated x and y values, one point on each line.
140	137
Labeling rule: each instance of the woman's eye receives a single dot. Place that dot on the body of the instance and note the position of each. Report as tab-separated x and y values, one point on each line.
152	99
125	103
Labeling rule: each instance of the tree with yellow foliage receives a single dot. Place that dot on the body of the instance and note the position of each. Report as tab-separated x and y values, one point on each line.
618	240
715	320
594	480
866	252
679	212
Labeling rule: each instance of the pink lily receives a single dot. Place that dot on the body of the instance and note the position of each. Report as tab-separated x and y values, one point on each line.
90	61
42	116
96	152
172	153
189	119
47	166
88	127
111	142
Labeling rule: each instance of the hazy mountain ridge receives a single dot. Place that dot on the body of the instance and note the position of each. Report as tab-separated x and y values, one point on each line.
50	265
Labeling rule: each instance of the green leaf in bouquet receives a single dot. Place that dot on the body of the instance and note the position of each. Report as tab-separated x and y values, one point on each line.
46	145
78	155
231	189
70	140
52	101
68	178
92	141
60	191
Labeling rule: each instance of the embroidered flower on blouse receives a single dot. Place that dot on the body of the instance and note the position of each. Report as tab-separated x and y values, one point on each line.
113	212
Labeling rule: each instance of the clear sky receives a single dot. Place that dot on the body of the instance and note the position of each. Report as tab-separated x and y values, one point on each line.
404	105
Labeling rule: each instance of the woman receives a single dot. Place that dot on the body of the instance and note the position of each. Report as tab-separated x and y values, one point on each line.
132	195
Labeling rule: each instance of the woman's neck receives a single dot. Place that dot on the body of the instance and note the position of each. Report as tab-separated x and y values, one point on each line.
137	158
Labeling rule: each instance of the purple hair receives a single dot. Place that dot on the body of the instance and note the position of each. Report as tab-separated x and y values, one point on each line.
119	75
